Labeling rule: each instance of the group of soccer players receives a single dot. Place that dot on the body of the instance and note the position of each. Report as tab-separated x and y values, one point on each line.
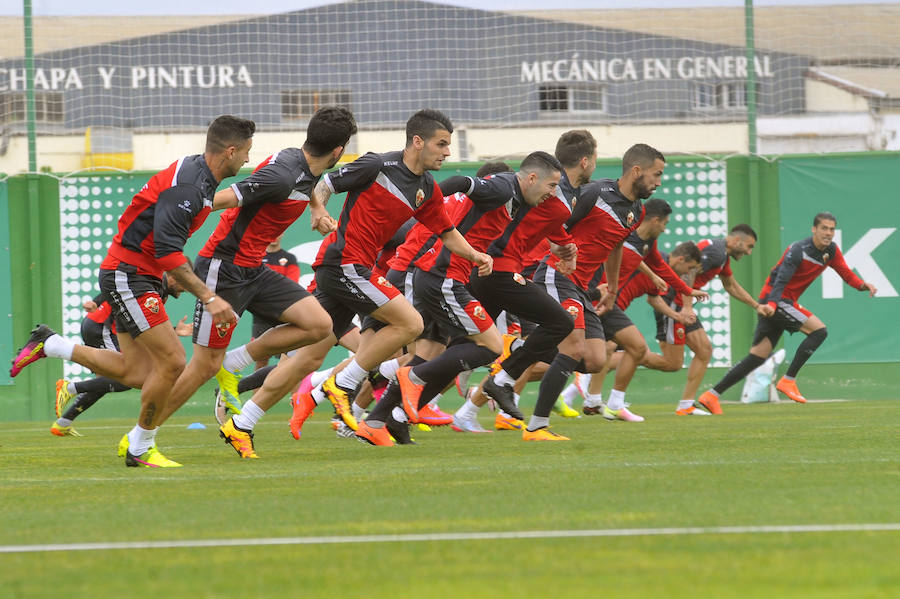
545	245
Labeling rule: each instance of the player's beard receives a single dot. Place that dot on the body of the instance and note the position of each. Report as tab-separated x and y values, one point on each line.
641	189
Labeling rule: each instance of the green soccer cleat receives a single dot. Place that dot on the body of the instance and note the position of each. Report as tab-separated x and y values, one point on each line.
64	431
228	394
152	458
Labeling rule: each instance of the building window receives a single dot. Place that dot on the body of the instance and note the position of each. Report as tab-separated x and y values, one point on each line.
48	107
716	96
302	104
562	98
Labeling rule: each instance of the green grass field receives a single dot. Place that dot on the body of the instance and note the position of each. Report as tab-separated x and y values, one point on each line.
777	465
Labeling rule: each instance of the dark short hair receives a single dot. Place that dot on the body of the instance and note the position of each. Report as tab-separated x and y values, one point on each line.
640	155
228	130
492	168
574	145
426	123
329	127
823	216
745	229
689	250
540	162
656	208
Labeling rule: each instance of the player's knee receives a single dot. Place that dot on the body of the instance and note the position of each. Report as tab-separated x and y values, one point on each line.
413	326
636	350
703	353
594	362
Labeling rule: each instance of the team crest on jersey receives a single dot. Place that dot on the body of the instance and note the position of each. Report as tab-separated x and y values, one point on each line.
152	304
222	329
629	219
825	257
679	332
420	197
384	282
573	311
518	278
479	313
282	261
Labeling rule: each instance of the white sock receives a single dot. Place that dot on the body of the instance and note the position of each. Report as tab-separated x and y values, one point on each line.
502	378
56	346
467	411
249	416
399	415
389	369
237	359
318	395
357	410
320	377
616	400
63	422
537	422
516	398
685	404
593	400
434	401
352	375
140	440
570	393
71	388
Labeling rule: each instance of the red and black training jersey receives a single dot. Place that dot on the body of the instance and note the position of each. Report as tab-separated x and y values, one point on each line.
269	201
161	217
714	261
510	227
634	251
800	265
602	219
283	262
382	194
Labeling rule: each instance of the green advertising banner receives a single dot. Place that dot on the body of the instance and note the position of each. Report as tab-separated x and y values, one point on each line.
860	190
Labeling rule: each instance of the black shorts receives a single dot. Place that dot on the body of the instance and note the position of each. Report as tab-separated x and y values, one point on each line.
261	290
349	290
574	299
671	332
99	335
136	300
788	317
260	326
614	321
449	304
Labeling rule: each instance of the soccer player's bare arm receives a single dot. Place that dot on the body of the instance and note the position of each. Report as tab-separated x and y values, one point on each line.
660	305
457	244
319	218
657	280
225	198
739	293
220	309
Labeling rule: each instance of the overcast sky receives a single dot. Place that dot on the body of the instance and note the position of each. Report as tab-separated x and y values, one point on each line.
180	7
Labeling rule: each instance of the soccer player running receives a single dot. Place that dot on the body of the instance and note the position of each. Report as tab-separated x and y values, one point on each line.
601	228
684	261
716	255
265	204
383	192
537	209
150	242
802	262
98	330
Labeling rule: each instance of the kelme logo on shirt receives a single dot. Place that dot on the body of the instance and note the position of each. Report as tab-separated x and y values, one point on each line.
420	197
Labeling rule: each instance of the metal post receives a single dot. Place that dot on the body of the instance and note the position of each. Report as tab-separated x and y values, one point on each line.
751	75
29	88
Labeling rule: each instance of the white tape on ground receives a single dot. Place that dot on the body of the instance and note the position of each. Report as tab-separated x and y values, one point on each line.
460	536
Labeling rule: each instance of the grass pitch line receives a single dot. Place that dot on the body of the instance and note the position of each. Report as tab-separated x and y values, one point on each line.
461	536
